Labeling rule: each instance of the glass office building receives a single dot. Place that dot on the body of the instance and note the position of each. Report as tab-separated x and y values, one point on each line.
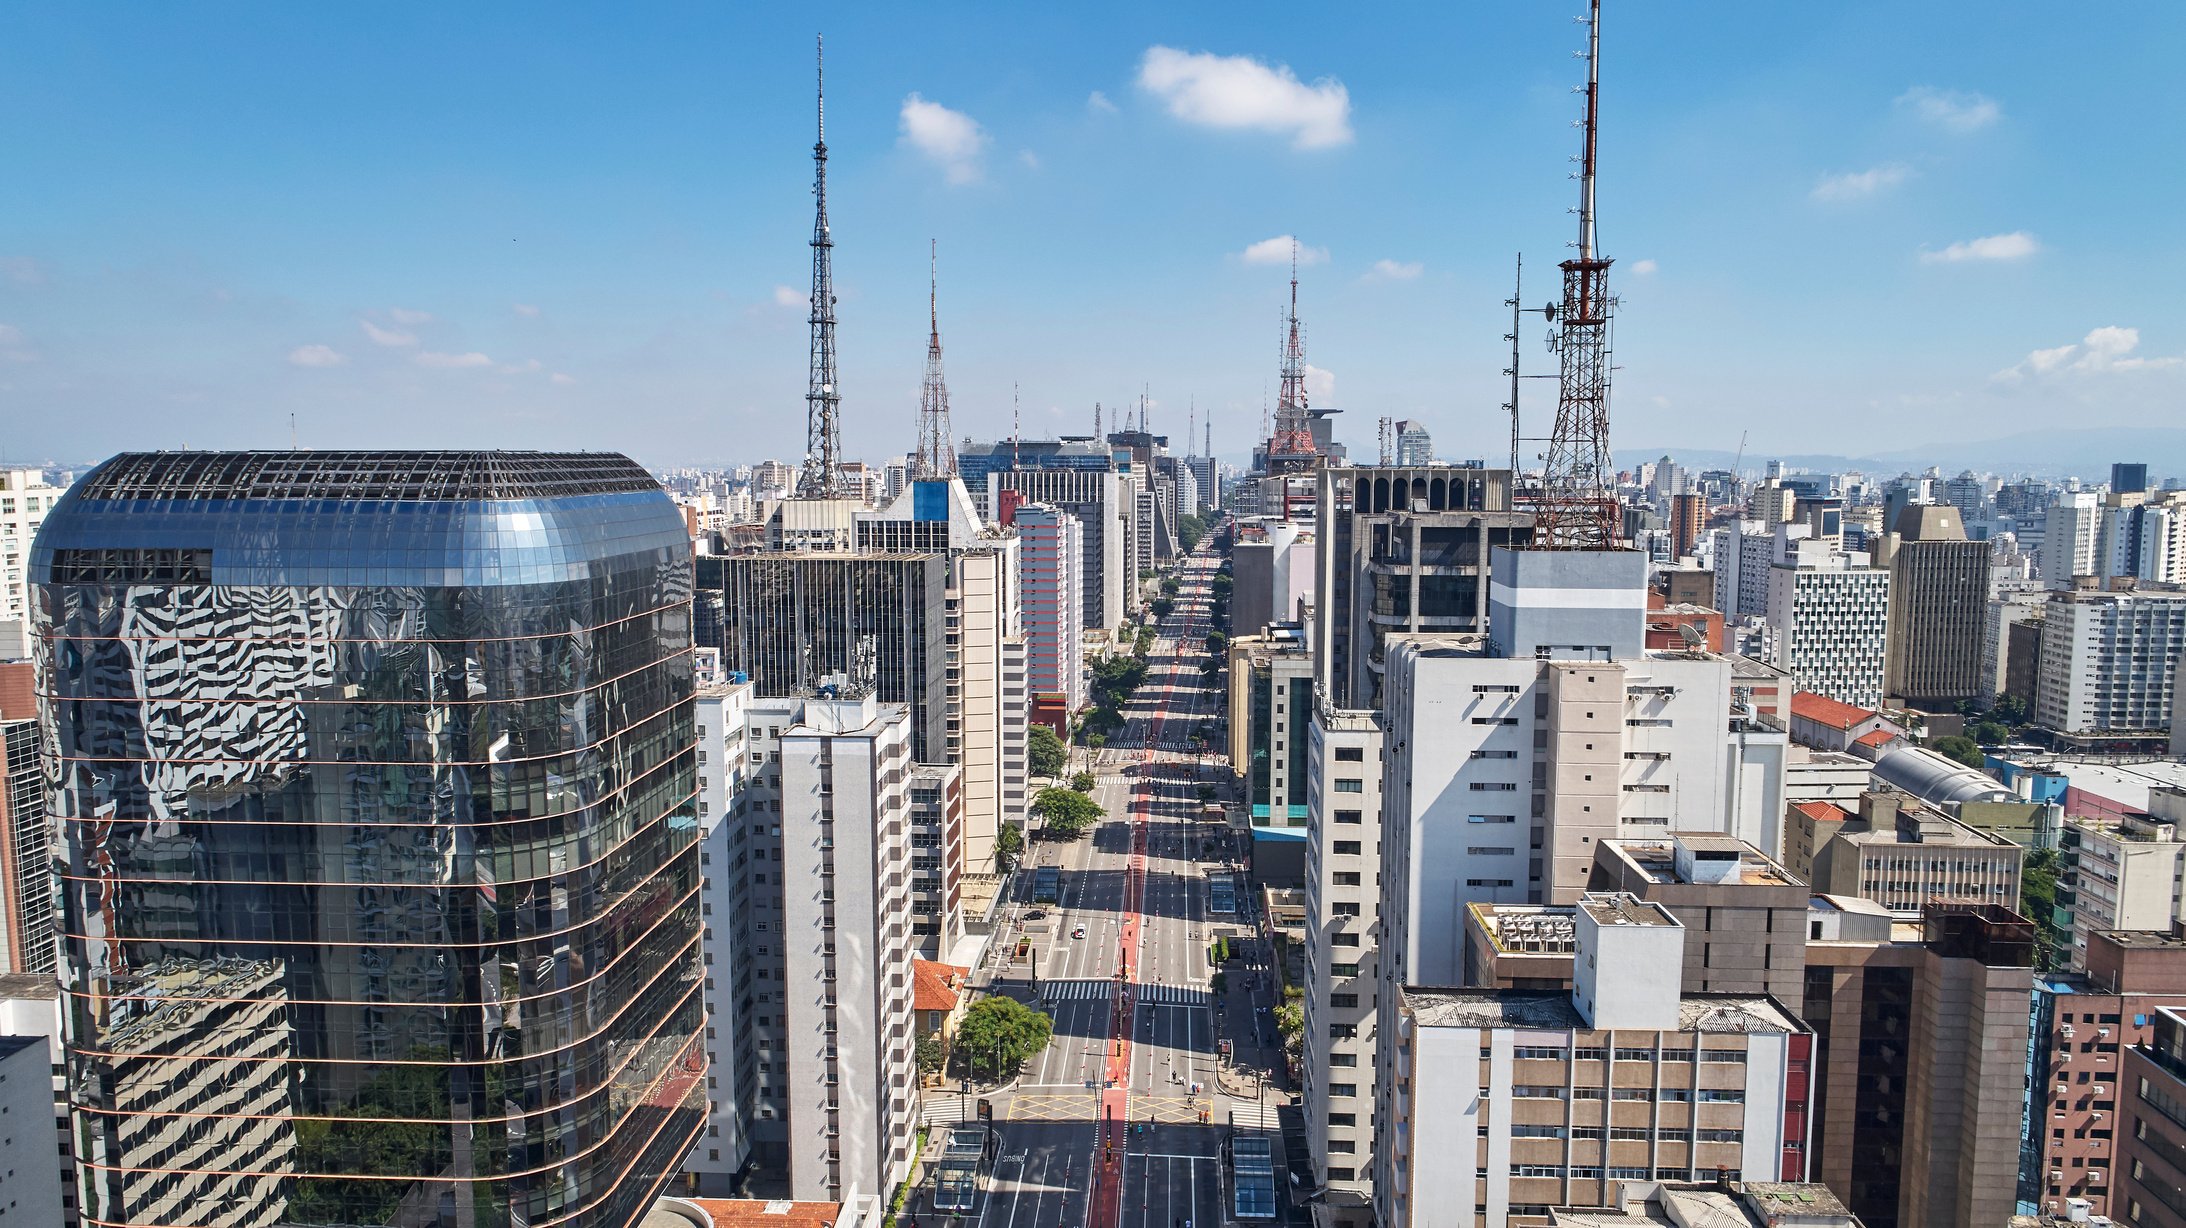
374	778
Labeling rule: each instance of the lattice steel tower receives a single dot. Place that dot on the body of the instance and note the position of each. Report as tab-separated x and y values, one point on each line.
936	455
1578	510
1291	447
823	473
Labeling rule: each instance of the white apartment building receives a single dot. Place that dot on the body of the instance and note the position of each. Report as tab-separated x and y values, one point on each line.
843	949
937	858
1743	554
1051	563
808	902
2123	874
1503	1103
25	498
1343	859
987	697
2144	535
2068	537
2109	661
1831	613
2006	610
726	904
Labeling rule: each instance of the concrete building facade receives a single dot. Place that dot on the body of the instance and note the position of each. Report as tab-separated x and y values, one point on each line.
1903	855
1831	613
1053	562
1343	907
2120	873
1939	595
2109	664
1504	1103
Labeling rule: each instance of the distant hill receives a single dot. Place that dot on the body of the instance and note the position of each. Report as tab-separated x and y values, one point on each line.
2087	454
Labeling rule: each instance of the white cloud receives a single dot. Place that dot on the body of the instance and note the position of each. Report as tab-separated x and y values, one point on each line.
1277	251
1236	91
1030	159
2106	349
387	336
403	315
316	356
1859	185
2018	245
1320	385
1397	270
1950	110
14	347
1098	103
430	358
562	379
1643	268
951	139
526	310
521	368
790	296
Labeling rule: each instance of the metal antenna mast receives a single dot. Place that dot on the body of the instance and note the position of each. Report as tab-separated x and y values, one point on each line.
1016	457
823	474
1577	509
1096	422
936	455
1293	441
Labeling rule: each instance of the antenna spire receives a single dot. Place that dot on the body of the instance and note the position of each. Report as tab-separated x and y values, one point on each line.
936	455
1577	509
1291	447
1016	422
823	476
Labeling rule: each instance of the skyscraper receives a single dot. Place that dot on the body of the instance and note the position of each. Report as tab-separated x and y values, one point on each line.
374	773
1939	595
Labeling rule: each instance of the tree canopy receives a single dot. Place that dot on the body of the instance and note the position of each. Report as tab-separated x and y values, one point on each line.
1067	812
1960	748
999	1033
1045	752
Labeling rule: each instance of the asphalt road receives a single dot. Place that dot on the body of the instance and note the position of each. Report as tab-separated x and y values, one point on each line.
1104	1127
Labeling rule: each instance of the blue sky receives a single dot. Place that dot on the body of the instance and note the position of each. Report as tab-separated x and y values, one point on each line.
1847	227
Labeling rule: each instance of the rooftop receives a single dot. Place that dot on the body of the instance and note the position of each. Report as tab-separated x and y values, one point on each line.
1707	1013
1754	1204
362	475
935	985
744	1213
1822	710
1530	929
1657	860
1619	908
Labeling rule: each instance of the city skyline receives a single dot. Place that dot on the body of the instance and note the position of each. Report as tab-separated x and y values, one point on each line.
597	237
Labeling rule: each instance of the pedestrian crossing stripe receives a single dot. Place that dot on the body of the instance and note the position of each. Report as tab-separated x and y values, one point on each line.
1102	991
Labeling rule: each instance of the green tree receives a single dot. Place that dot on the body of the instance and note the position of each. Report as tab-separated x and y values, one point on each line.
930	1054
1189	531
1163	606
1094	741
1290	1021
1170	587
1218	642
1989	733
1962	749
1045	752
1067	813
1009	845
1210	667
998	1034
2038	900
2010	709
1206	794
1082	782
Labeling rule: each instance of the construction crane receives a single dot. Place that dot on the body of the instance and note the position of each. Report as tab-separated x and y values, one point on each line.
1740	458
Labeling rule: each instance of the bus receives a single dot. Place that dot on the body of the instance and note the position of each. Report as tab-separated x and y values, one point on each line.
1047	885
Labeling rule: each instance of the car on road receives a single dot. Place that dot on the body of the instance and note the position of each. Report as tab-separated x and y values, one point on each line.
1037	914
1078	932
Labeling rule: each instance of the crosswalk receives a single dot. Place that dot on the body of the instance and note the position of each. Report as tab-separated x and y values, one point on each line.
1254	1116
1089	991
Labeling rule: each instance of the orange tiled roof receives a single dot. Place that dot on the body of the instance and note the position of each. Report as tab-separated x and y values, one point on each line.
1876	737
760	1213
1822	812
934	985
1823	710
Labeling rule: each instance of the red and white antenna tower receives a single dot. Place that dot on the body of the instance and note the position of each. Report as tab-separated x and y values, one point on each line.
1291	447
1578	510
936	455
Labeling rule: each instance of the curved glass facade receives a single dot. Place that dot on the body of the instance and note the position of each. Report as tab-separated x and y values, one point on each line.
375	778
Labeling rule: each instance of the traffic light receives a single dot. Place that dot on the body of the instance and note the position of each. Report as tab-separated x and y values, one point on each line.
986	1109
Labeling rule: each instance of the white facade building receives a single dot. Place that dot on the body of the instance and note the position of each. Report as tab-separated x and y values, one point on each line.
1052	559
845	946
1830	613
25	498
2124	874
1343	859
1414	445
732	1095
2068	537
1503	1103
2110	661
